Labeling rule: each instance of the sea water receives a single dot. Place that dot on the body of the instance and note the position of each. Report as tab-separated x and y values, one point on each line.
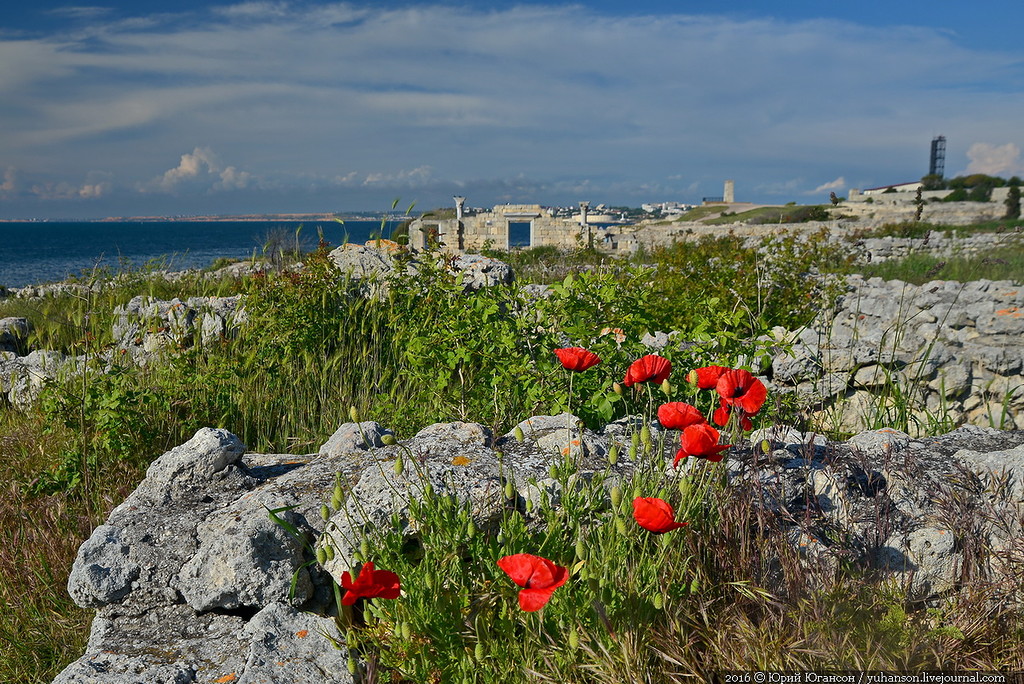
39	252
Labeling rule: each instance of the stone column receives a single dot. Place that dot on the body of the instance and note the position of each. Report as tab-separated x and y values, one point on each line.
584	208
460	234
460	206
729	195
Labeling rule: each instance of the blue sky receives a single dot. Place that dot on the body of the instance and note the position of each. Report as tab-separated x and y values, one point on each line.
167	108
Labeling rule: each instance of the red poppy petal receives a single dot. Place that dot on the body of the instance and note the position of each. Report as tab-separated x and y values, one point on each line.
531	600
519	567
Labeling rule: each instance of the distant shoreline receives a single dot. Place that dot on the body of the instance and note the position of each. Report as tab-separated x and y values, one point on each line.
234	218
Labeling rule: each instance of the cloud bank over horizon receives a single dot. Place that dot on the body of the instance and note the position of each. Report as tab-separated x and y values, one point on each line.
262	107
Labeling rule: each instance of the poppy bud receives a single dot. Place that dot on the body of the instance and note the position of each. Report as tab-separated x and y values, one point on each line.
352	665
353	414
471	529
666	388
336	501
691	377
388	440
428	490
694	585
518	434
637	492
634	439
632	453
329	550
613	454
617	388
766	446
529	505
581	549
406	630
659	600
620	525
510	490
321	556
645	435
479	652
358	557
685	486
574	639
364	549
325	513
616	496
399	465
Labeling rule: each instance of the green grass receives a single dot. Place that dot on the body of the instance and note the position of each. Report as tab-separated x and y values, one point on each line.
1005	263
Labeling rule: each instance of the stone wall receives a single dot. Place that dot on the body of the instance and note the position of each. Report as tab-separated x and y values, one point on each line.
491	230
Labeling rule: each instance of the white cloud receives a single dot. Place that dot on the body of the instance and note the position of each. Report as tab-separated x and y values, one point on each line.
8	185
202	167
837	184
995	160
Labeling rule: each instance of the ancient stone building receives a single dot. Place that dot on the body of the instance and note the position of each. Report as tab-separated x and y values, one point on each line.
506	226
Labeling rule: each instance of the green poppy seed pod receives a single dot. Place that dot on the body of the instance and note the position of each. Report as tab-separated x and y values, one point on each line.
581	549
613	454
353	414
352	665
620	525
399	465
518	434
766	446
632	453
479	653
574	639
406	630
329	549
616	496
634	439
325	513
321	555
645	435
659	601
617	388
510	490
685	486
666	388
364	549
388	440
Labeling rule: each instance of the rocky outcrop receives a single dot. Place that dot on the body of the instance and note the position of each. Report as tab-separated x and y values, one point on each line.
193	581
947	352
937	244
152	324
379	259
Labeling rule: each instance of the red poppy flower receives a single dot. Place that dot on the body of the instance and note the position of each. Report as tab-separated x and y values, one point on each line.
706	377
655	515
677	415
537	576
722	413
370	584
740	388
700	441
650	368
577	358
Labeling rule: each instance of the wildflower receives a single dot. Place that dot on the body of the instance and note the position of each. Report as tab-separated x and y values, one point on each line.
577	358
650	368
370	584
706	377
538	577
740	388
677	415
722	413
655	515
700	441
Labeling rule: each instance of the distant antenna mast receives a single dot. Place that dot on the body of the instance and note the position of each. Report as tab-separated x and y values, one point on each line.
937	166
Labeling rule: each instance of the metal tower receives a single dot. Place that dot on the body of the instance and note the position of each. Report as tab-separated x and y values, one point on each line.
937	165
